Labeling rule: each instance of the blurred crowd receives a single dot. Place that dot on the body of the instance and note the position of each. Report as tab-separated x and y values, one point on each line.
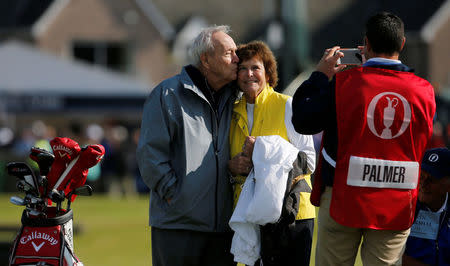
117	174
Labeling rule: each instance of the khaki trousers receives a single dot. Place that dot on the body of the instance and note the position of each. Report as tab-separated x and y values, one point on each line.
338	244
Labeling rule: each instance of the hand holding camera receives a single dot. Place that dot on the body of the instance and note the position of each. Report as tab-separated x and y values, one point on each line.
337	59
328	63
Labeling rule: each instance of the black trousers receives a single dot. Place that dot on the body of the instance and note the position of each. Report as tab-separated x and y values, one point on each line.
173	247
289	247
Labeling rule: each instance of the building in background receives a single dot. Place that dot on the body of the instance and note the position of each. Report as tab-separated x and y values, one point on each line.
129	46
147	38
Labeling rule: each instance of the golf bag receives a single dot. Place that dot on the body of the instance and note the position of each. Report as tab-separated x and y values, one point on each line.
46	236
45	241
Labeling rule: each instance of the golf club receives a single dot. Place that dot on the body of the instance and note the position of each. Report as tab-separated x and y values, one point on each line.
17	201
58	197
24	186
43	158
34	212
23	171
85	190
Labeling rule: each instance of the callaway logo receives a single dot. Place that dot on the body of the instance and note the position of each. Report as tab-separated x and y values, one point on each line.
98	158
38	235
37	248
390	101
62	148
62	154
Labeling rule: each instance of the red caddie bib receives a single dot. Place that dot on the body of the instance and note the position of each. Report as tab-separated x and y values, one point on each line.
384	120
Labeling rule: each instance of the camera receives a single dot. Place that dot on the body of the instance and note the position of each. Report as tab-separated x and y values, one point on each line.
352	56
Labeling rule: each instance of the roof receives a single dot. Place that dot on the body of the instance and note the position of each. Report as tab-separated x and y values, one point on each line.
21	13
157	18
240	15
36	15
26	70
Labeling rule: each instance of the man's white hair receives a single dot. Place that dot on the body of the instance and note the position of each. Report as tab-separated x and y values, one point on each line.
202	43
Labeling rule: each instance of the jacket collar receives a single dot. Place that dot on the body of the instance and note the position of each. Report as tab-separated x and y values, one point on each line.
264	95
189	84
241	106
395	65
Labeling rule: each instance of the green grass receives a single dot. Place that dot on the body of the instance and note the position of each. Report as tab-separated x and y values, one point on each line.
111	231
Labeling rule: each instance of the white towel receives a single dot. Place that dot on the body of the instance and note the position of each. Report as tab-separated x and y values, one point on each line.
262	195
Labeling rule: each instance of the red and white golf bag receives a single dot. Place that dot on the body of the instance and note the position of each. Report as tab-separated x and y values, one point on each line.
46	235
45	241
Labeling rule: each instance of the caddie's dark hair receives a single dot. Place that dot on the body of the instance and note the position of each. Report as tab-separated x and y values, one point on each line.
385	32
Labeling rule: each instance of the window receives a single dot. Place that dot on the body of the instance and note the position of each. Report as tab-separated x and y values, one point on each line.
108	54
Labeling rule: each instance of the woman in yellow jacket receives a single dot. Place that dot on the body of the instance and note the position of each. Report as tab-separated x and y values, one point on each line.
261	112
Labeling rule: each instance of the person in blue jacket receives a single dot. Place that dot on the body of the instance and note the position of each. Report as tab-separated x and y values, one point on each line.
429	240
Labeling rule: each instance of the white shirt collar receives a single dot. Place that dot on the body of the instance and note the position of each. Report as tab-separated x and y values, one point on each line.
383	61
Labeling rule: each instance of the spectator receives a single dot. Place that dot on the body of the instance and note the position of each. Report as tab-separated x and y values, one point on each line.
429	241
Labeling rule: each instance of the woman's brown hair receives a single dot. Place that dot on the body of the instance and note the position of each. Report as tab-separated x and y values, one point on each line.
260	50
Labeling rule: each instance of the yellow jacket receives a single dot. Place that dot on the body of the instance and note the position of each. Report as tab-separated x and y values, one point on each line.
268	119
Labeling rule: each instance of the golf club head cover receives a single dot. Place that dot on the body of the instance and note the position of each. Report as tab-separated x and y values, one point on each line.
76	176
65	150
71	186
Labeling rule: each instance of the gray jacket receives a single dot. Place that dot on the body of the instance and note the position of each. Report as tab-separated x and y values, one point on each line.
183	153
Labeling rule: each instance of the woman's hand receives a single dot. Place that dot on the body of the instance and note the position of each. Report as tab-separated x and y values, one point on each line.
248	147
240	165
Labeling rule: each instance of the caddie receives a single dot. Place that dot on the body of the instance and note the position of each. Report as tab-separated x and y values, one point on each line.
376	120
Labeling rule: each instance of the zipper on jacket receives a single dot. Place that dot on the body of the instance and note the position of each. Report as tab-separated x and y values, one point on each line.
436	259
442	219
214	127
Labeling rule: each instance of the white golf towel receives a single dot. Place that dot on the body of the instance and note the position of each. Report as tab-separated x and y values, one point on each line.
261	199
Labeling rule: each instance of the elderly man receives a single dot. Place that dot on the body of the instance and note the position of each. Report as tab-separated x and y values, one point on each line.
183	153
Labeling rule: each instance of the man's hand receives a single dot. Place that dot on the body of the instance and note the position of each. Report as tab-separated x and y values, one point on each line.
240	165
327	64
248	147
171	192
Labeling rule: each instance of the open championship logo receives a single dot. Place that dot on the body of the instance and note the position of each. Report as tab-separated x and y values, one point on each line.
392	99
433	157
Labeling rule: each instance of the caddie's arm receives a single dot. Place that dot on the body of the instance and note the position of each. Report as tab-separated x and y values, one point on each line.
328	63
313	104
